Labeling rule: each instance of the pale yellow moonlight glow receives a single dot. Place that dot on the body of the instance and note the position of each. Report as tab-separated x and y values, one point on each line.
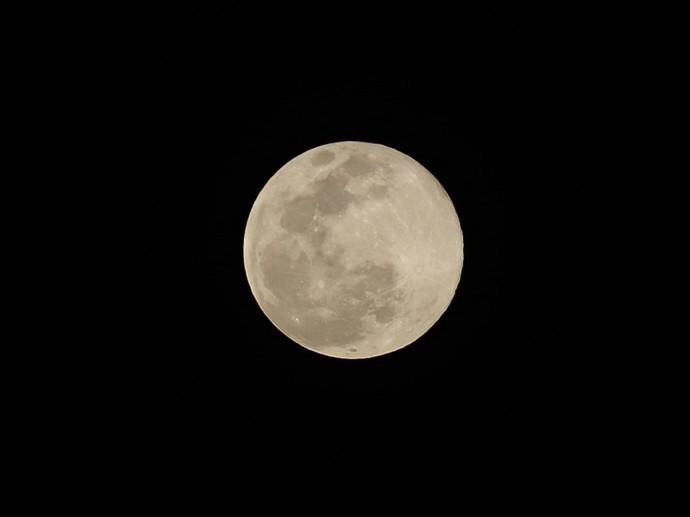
353	250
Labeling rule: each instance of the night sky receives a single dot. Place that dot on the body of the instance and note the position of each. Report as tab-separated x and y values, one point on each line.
491	101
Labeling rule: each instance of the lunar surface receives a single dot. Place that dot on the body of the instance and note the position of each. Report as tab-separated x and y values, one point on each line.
353	250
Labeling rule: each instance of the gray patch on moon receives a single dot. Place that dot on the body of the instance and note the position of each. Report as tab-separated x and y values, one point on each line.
283	275
299	214
332	196
358	165
317	236
385	314
329	198
378	191
374	277
322	158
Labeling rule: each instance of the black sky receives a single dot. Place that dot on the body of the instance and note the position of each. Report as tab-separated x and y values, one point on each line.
491	101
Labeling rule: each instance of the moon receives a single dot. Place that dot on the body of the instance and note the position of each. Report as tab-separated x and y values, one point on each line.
353	250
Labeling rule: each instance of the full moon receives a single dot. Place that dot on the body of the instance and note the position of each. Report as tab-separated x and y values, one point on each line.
353	250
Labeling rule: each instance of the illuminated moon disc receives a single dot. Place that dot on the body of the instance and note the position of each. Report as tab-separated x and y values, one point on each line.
353	250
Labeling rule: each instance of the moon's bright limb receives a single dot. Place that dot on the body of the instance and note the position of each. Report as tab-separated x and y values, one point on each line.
353	250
